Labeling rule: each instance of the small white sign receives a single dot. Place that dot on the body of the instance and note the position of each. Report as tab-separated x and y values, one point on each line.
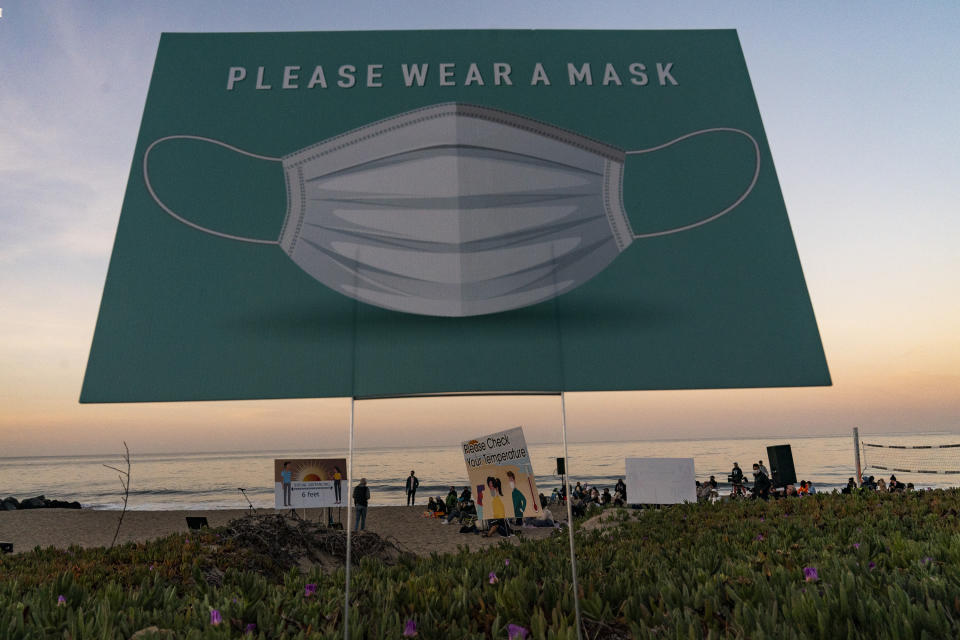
661	480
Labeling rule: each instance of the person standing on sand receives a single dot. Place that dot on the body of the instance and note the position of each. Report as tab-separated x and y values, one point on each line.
761	483
361	498
285	477
736	477
519	500
621	488
412	483
763	469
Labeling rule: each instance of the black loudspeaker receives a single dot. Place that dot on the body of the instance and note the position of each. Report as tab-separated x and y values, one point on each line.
561	467
195	523
6	547
782	472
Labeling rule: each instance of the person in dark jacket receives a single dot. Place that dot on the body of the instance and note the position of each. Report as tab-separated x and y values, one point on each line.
761	483
851	486
412	483
361	498
621	488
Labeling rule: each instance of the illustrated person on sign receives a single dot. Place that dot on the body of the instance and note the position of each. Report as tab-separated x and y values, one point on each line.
412	483
496	490
480	502
286	476
337	477
519	500
361	498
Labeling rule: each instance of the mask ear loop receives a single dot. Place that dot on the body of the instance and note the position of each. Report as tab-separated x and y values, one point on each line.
179	218
743	196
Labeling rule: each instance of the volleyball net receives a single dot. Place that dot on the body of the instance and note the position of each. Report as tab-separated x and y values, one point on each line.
897	458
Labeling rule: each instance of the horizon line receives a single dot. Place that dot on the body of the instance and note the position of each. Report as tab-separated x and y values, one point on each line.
436	446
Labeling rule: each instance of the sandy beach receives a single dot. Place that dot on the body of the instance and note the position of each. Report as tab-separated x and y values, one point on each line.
61	528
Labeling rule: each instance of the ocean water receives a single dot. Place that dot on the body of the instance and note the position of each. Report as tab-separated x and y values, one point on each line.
211	480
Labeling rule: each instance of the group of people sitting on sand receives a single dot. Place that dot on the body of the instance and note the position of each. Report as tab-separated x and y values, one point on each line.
461	509
453	507
762	489
593	495
870	484
584	496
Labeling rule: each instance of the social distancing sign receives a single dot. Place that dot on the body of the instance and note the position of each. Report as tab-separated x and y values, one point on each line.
309	482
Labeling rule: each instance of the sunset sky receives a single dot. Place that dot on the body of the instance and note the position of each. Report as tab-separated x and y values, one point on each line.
859	104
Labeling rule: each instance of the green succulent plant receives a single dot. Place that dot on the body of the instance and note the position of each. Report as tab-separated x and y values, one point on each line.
862	566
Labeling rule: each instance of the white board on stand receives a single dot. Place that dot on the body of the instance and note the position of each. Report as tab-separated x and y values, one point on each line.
660	481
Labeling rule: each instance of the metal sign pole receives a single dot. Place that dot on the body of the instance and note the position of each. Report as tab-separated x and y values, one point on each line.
856	453
346	588
566	486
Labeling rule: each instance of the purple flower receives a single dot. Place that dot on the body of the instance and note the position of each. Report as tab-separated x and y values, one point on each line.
309	590
215	617
856	545
871	565
762	519
493	578
410	630
927	560
61	600
516	632
151	567
810	574
759	536
250	628
506	562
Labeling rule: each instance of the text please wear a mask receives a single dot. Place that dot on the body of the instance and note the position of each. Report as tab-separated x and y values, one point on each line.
454	210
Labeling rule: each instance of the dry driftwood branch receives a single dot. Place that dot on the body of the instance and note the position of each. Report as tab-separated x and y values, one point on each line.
285	540
125	483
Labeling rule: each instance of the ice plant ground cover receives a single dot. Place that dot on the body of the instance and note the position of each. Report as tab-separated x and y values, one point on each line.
877	566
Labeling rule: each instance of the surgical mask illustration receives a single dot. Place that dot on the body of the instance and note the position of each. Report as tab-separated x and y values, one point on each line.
455	210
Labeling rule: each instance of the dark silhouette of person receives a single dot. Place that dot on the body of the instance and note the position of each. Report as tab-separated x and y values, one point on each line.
361	498
412	483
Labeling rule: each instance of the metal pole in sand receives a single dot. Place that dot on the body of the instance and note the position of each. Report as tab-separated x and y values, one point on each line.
856	453
566	482
346	586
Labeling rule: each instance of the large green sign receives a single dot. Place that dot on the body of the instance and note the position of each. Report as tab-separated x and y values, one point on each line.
389	213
